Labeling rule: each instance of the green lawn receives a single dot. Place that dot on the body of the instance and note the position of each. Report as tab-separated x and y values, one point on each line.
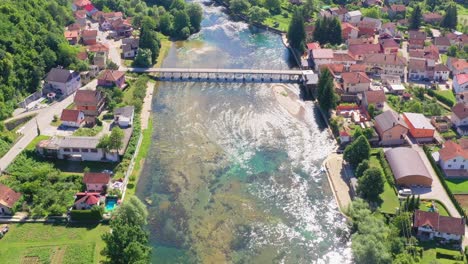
283	22
447	94
430	254
425	206
87	132
33	143
389	197
49	243
457	186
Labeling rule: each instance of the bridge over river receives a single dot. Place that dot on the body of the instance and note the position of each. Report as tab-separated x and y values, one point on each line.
229	75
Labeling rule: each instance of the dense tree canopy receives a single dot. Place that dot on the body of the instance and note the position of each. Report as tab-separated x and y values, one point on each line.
357	151
328	30
371	184
257	14
415	18
450	18
326	91
296	32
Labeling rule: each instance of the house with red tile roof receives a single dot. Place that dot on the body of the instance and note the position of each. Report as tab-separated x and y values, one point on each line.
457	66
360	40
355	82
389	30
358	51
416	39
91	103
86	200
96	181
80	4
430	225
8	199
90	9
357	68
442	43
321	57
80	17
389	46
441	72
432	18
460	83
419	127
89	36
391	128
344	58
74	26
375	97
109	78
395	10
391	64
72	117
417	69
349	31
72	36
453	158
460	118
335	69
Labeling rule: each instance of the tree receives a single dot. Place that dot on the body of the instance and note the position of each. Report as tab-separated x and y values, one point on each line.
239	6
357	132
326	94
452	51
274	6
371	184
403	223
143	58
127	243
309	8
450	18
115	138
258	14
368	249
296	32
415	18
373	12
181	21
328	30
149	38
361	168
357	151
371	110
414	106
195	13
165	24
403	258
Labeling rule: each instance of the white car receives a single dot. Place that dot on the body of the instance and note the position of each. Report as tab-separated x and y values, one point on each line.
405	192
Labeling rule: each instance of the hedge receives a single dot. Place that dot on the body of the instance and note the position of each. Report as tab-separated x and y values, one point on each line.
386	168
439	97
86	215
440	174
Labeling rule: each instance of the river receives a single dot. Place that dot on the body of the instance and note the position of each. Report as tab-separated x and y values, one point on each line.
233	173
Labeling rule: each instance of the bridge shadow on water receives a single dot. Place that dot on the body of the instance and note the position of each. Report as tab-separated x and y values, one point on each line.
226	80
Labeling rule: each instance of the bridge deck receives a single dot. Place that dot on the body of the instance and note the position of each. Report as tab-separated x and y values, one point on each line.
222	71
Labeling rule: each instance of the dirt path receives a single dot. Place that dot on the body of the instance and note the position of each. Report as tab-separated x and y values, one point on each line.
57	258
336	176
146	110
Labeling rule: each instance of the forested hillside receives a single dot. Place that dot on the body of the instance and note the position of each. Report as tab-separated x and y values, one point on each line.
31	42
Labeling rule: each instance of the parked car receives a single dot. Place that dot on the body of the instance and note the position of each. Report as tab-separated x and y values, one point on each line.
405	192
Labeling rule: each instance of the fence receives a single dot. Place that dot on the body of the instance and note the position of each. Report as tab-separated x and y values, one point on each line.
31	98
132	164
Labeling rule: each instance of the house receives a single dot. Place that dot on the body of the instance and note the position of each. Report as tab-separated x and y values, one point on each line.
8	199
76	148
453	158
419	127
397	10
415	175
460	83
355	82
85	201
462	97
349	31
442	43
129	47
375	23
309	30
90	9
389	30
123	116
366	29
322	56
89	36
353	16
417	69
106	19
64	82
441	73
338	12
430	225
335	69
360	40
457	66
80	4
389	46
374	97
74	27
391	128
358	51
96	181
109	78
357	68
123	27
432	18
89	102
441	123
416	39
385	64
72	36
344	58
459	118
80	17
431	54
72	118
101	52
345	137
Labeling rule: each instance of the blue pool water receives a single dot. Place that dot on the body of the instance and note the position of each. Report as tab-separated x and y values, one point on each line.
111	203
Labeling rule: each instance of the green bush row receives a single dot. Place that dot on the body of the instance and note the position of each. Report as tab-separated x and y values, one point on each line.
93	215
440	174
439	97
386	168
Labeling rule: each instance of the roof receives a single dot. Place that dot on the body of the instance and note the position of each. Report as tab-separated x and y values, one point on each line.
8	197
432	16
111	75
81	3
441	41
398	8
416	53
459	64
87	198
71	34
335	68
400	157
389	43
313	45
460	110
126	111
98	47
89	7
414	34
443	224
441	67
361	49
355	77
417	64
70	115
89	33
87	96
69	142
357	68
374	97
59	75
322	54
418	121
354	13
340	56
388	120
96	178
452	150
82	55
346	25
462	78
386	59
80	14
74	26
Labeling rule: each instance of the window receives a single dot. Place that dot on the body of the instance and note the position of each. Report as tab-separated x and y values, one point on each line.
450	166
84	150
66	150
75	150
93	150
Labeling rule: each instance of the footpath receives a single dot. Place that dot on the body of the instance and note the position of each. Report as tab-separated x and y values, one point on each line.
338	176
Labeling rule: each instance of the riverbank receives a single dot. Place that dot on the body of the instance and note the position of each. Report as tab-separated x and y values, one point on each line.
338	175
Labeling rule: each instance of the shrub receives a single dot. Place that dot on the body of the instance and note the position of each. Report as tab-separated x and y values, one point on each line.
93	215
386	168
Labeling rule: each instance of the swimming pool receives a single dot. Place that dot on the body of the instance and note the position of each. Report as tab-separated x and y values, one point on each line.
111	203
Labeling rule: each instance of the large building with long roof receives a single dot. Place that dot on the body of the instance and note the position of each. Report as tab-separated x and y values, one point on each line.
408	167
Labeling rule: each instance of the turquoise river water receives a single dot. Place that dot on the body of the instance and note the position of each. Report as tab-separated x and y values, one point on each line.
233	174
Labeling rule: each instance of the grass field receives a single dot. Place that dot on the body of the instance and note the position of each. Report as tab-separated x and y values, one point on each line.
389	197
425	206
47	243
447	94
430	254
87	132
457	186
283	22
